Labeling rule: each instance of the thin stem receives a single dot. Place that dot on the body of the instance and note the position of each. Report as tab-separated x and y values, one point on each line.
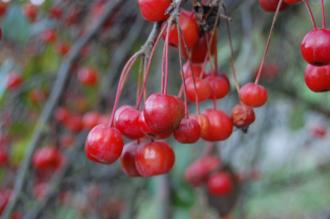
324	20
232	59
268	41
147	69
181	71
121	83
309	9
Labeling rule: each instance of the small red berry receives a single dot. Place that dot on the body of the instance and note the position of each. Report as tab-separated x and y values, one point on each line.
74	123
163	113
198	172
91	119
154	158
3	9
219	84
63	49
191	69
47	158
62	114
201	89
88	76
315	47
127	122
55	12
14	81
127	159
200	51
154	10
271	5
31	12
220	184
253	95
317	78
203	122
104	144
220	125
188	131
243	116
189	30
48	36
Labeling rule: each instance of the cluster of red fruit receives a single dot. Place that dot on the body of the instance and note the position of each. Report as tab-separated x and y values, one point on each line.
165	115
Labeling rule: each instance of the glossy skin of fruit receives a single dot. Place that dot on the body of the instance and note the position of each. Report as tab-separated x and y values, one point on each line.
163	113
188	131
154	10
243	116
220	125
104	144
220	184
88	77
315	47
271	5
127	159
203	122
198	172
155	158
253	95
317	78
189	29
199	51
292	2
219	84
14	81
203	89
147	131
191	69
47	158
127	122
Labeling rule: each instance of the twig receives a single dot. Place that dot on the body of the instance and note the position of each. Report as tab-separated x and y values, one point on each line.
62	77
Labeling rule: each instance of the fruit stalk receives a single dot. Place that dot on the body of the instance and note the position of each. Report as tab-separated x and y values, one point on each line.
268	41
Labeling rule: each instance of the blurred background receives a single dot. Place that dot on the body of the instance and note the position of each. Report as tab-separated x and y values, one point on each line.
283	161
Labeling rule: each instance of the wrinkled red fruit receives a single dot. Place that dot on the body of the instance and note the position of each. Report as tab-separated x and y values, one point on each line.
243	116
14	81
31	12
189	30
219	84
253	95
88	76
47	158
315	47
154	158
104	144
163	113
191	69
127	122
198	172
220	125
188	131
154	10
317	78
271	5
201	90
127	159
220	184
